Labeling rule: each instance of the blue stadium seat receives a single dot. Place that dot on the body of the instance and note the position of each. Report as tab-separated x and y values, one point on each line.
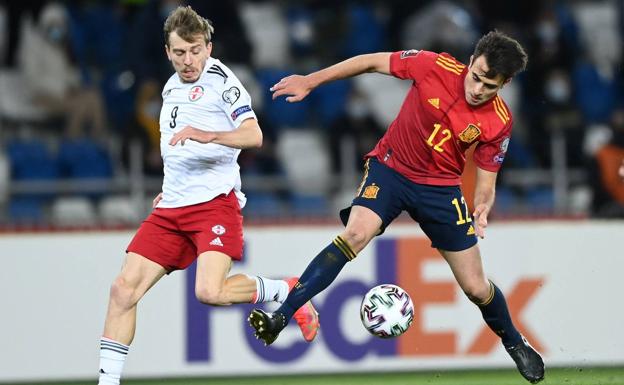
309	205
279	112
25	210
84	158
262	205
31	160
329	101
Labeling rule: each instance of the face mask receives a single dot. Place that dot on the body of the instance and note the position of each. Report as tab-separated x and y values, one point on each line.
547	31
56	34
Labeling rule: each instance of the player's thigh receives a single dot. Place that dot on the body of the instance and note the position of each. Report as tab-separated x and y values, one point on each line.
467	268
443	215
158	240
381	194
138	275
216	225
212	271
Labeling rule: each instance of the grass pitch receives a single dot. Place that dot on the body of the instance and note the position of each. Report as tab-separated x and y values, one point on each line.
559	376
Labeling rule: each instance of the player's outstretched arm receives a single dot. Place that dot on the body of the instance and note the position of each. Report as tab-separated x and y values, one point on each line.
485	191
297	87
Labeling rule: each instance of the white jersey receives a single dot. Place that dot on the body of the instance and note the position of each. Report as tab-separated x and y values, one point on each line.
196	172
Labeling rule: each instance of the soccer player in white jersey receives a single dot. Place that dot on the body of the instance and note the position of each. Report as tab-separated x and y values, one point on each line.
205	121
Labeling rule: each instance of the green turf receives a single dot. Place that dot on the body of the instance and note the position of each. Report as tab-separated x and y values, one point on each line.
563	376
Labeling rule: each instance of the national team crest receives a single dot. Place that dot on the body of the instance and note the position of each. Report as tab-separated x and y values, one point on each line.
470	133
370	192
196	93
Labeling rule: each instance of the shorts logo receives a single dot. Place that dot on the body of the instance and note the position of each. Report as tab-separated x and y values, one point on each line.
471	231
218	229
470	133
216	242
370	192
239	111
499	158
231	96
196	93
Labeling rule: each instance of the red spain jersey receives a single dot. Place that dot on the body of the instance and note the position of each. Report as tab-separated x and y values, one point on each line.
435	126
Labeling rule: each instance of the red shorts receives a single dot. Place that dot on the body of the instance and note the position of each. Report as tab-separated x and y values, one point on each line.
174	237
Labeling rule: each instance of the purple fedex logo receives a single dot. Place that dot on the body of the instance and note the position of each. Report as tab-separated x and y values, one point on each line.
199	318
402	261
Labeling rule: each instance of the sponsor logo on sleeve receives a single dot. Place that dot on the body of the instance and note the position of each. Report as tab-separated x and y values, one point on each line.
504	145
231	96
408	53
239	111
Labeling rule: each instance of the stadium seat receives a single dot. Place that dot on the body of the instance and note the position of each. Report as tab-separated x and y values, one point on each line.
305	205
305	158
279	112
73	212
26	211
119	211
84	158
262	205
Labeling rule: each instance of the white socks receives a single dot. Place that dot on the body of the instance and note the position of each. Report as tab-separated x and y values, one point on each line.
268	290
112	358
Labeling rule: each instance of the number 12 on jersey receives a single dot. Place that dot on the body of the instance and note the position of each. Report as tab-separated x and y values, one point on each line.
445	134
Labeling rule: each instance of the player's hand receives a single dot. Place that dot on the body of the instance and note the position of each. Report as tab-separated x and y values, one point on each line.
621	170
296	86
156	200
480	219
192	133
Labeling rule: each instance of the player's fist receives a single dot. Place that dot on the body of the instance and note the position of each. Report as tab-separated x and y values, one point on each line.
621	171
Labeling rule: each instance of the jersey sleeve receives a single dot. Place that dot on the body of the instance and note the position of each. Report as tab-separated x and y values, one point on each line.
411	64
236	101
490	155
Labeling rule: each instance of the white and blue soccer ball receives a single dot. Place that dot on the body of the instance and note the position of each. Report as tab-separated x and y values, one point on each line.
387	311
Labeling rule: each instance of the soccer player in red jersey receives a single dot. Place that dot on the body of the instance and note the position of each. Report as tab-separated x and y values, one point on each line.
416	167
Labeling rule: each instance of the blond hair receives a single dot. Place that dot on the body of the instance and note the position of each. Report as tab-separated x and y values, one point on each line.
187	24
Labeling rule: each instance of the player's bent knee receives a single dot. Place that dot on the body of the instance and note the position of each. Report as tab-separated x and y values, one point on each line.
477	292
356	239
211	297
122	293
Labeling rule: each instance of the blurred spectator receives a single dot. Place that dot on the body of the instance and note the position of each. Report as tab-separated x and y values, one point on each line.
357	130
52	78
596	79
16	14
442	27
98	44
608	187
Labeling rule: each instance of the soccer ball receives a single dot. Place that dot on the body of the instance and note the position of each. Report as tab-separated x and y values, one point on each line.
387	311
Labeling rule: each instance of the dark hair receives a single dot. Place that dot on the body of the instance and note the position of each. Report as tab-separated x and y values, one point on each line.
187	24
504	55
